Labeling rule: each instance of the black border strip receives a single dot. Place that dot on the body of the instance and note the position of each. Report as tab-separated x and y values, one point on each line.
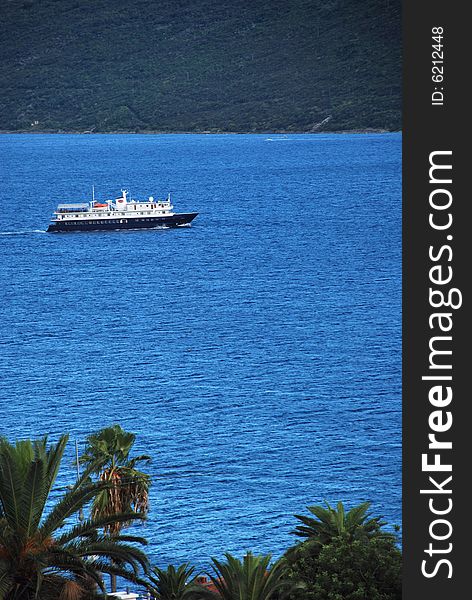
432	128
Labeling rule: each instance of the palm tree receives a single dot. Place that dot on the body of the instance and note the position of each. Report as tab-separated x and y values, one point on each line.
172	583
344	554
107	456
332	522
43	554
249	579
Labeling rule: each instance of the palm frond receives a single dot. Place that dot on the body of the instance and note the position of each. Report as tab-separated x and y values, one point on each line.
92	525
172	583
52	565
5	584
249	579
119	553
34	497
91	468
54	457
358	513
330	522
11	481
64	563
137	459
135	539
113	569
69	505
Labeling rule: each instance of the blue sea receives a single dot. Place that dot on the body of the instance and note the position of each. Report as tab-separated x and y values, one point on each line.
255	354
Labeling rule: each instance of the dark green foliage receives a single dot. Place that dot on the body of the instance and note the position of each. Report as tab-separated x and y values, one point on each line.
43	554
173	584
252	578
346	555
330	522
346	569
127	488
107	456
201	65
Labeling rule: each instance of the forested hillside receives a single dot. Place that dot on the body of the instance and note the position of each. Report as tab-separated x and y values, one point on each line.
200	65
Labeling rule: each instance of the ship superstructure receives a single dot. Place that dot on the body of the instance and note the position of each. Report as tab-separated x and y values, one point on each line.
121	213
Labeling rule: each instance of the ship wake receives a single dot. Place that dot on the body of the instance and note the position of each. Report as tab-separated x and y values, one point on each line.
23	232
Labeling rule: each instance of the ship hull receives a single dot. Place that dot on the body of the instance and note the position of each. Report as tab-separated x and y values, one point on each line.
94	224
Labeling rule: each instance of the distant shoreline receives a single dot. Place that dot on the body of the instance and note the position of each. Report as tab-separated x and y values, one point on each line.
121	132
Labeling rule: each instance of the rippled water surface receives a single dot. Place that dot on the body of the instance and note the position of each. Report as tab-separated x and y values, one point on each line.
256	354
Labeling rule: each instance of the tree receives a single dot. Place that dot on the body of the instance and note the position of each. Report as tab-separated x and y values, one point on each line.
249	579
43	554
332	522
172	583
345	555
348	569
107	456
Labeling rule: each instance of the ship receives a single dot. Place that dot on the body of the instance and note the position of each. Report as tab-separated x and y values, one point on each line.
122	213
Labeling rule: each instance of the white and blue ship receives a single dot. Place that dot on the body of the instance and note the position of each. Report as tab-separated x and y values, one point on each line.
121	213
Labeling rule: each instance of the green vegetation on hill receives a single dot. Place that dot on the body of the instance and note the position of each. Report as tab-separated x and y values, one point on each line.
200	65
